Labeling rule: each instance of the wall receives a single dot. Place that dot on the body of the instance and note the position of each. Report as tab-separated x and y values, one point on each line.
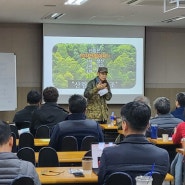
164	66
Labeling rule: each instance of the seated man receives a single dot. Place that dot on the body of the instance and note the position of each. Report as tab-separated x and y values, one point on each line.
163	118
179	112
33	100
77	125
50	112
134	155
10	165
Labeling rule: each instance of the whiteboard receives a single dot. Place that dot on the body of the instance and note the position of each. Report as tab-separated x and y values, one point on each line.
8	83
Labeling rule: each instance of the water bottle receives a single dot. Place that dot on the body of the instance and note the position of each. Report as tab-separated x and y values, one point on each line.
154	131
112	119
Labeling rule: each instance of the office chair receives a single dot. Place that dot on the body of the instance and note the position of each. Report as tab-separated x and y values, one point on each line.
42	131
22	180
69	143
86	143
26	139
119	178
14	147
14	130
88	154
48	157
27	154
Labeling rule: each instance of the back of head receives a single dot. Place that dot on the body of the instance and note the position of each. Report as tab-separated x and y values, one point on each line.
50	94
5	132
180	97
143	99
77	104
136	114
162	105
33	97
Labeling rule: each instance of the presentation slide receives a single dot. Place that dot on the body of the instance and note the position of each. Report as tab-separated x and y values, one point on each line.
71	62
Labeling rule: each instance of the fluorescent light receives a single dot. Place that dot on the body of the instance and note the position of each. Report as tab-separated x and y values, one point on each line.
75	2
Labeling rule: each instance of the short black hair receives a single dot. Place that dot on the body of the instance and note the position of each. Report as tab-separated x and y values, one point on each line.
180	97
136	114
50	94
5	132
162	105
33	97
77	104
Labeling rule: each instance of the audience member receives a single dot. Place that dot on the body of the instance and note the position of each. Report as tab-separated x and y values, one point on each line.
179	112
135	154
76	124
33	100
50	112
10	165
97	93
143	99
163	118
179	133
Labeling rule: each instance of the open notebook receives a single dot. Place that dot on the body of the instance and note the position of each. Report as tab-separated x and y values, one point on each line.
97	149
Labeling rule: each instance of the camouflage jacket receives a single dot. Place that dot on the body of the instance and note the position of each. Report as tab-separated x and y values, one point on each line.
97	108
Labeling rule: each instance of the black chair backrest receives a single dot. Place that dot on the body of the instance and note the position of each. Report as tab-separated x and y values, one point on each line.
22	180
88	154
23	124
69	143
14	147
119	178
42	132
86	142
27	154
14	130
26	139
168	131
48	157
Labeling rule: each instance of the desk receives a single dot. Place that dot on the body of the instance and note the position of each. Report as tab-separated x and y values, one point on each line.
108	127
38	142
67	157
180	150
168	145
159	141
50	176
64	177
110	132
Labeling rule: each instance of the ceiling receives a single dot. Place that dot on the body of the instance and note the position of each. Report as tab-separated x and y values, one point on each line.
101	12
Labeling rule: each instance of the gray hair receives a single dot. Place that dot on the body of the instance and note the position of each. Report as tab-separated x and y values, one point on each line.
162	105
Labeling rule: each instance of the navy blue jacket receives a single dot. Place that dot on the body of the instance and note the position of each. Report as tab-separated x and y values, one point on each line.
77	125
134	155
179	113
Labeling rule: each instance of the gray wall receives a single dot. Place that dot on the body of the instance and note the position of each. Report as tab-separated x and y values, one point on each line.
164	61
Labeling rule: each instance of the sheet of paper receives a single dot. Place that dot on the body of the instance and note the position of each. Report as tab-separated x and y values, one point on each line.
103	92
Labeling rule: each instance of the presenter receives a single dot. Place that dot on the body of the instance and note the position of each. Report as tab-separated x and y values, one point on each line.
97	93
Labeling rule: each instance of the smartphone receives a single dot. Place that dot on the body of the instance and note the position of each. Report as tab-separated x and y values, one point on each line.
78	174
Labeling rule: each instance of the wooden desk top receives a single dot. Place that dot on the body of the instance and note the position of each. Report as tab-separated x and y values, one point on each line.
159	141
180	150
68	157
108	127
49	175
38	142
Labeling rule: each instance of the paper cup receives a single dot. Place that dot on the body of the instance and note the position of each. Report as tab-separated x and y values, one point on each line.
165	137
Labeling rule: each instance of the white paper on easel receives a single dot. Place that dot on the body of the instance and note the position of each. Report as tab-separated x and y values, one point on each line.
103	92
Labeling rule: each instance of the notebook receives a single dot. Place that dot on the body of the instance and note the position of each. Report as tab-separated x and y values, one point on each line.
97	149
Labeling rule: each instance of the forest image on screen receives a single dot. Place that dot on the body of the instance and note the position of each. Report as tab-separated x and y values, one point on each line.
74	65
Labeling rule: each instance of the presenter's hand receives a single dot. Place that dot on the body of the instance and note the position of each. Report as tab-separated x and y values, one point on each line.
101	86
